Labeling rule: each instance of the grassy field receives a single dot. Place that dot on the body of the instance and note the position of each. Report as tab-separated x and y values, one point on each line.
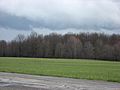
73	68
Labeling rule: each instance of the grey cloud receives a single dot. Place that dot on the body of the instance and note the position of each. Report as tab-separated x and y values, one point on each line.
22	23
10	21
61	14
14	22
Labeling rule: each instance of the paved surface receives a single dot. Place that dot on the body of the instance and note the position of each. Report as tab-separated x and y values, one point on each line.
10	81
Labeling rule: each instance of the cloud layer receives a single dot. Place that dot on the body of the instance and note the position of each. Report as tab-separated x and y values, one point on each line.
64	14
60	15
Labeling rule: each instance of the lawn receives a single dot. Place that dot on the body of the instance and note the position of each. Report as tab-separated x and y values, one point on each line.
72	68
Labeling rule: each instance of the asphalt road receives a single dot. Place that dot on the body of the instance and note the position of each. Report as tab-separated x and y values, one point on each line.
13	81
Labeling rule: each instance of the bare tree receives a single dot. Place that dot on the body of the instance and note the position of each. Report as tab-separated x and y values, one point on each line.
117	51
19	40
3	46
59	50
88	50
83	45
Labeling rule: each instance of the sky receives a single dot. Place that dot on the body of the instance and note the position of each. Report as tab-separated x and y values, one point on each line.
60	16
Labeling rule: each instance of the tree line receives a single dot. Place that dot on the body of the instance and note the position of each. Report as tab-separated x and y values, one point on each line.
82	46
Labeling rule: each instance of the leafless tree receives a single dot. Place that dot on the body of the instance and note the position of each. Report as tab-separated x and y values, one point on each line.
83	45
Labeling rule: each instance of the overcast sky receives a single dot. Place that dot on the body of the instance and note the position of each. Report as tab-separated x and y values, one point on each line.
61	16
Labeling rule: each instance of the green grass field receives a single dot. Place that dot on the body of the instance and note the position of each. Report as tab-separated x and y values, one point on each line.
73	68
